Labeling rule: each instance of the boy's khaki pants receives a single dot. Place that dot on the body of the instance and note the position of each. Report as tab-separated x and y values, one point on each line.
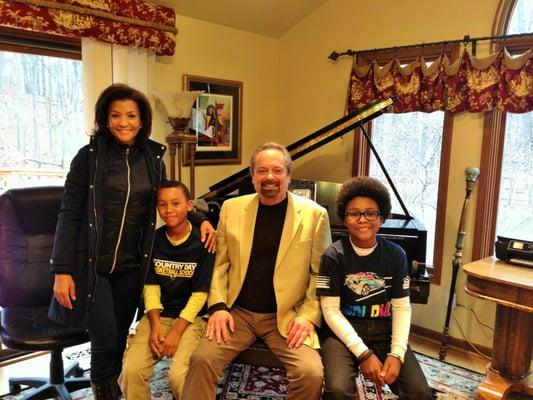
138	363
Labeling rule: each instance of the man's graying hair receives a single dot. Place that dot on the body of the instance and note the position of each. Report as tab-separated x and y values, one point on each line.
273	146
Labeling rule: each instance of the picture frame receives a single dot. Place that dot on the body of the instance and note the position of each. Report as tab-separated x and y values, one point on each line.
216	120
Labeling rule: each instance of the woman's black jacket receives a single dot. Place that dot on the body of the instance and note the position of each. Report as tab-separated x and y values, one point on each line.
80	220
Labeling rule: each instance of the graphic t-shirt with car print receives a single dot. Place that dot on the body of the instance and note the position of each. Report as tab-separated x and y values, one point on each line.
365	284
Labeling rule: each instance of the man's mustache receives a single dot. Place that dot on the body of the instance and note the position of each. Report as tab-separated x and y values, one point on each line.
270	182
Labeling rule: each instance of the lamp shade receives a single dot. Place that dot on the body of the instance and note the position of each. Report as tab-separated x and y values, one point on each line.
178	104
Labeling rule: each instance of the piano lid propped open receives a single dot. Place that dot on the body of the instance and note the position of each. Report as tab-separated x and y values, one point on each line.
403	229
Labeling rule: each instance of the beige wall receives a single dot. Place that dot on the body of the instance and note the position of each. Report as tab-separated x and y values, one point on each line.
215	51
312	93
291	89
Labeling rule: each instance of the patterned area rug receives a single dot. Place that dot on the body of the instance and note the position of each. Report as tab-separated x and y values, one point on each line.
246	382
449	381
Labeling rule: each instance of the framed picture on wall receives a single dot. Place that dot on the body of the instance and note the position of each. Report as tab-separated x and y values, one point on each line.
216	120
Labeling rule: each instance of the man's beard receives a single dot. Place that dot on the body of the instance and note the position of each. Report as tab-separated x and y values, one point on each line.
272	190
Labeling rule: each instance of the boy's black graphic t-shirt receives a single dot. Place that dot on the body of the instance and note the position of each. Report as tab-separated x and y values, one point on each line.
365	284
179	271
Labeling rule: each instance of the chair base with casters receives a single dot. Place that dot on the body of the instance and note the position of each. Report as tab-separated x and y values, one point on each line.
16	331
55	386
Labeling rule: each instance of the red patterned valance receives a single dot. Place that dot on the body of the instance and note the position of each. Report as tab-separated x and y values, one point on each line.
125	22
467	84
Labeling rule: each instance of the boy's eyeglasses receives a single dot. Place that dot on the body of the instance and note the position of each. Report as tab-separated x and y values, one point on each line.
355	216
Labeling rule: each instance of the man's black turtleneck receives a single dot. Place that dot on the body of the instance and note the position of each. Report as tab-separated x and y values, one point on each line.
257	293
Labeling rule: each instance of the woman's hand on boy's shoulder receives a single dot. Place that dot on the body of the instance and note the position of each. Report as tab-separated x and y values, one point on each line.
208	236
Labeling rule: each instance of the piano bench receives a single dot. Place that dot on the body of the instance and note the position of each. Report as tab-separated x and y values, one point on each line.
258	354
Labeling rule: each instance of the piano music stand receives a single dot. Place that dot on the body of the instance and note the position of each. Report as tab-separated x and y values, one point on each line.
406	215
176	140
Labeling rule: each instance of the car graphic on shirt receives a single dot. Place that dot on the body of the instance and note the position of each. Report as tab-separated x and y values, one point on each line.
364	283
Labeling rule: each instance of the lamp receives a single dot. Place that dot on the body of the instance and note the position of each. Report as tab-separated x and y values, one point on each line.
471	176
178	106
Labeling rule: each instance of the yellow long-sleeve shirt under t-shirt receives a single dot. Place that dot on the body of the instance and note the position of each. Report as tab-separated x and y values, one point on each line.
152	294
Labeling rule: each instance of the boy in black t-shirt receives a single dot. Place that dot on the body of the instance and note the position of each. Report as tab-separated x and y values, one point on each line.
363	286
174	295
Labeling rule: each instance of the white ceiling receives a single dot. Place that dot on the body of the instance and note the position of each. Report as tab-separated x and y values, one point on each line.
265	17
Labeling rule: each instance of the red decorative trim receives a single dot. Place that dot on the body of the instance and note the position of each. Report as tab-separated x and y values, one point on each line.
466	84
73	24
131	9
132	12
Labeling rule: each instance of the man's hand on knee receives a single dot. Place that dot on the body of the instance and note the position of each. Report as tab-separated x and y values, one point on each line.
299	329
218	324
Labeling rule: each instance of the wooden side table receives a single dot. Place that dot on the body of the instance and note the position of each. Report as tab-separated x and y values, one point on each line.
511	288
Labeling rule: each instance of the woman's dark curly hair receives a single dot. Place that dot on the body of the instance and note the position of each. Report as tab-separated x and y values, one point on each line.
119	91
364	186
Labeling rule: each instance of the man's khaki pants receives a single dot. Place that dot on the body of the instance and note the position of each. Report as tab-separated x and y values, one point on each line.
303	365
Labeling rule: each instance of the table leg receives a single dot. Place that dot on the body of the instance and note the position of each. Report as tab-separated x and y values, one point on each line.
496	387
511	355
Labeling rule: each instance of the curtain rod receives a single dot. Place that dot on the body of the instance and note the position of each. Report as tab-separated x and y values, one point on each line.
466	39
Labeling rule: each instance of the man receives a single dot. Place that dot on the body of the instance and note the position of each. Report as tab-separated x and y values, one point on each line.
264	281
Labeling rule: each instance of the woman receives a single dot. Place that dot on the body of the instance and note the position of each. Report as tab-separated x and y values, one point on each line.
106	228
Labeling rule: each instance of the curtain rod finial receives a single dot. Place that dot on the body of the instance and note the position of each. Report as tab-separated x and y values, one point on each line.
334	55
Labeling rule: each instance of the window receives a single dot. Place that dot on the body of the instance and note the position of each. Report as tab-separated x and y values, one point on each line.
41	107
515	204
415	148
410	146
522	18
505	197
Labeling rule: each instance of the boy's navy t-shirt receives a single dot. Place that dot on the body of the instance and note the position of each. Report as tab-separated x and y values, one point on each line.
365	284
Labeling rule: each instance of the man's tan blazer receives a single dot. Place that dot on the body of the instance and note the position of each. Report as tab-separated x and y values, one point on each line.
305	236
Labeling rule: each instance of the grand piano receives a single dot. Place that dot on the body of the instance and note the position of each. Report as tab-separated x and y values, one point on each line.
403	229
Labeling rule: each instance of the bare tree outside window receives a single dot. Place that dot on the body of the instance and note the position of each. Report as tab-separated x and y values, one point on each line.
515	206
41	127
410	147
522	19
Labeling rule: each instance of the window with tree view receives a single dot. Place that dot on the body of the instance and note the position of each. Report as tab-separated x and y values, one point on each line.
410	147
41	127
41	105
515	206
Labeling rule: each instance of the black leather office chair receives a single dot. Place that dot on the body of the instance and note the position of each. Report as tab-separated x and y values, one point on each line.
27	225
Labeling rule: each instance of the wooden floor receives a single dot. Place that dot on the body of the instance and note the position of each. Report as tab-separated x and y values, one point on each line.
32	365
459	357
38	365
